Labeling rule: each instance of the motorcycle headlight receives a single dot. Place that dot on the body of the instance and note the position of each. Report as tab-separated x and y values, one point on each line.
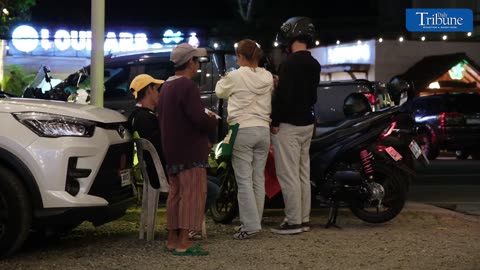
54	125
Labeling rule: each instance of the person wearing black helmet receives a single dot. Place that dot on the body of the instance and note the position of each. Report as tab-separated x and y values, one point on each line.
293	122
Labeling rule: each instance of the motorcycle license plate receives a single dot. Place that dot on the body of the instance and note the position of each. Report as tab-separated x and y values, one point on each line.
393	153
125	177
415	148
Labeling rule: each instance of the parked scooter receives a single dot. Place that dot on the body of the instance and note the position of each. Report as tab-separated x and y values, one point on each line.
67	90
351	166
404	129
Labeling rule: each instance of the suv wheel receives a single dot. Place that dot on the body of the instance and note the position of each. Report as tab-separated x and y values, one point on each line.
462	154
15	212
425	142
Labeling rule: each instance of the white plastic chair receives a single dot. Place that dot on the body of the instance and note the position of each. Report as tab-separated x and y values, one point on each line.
150	195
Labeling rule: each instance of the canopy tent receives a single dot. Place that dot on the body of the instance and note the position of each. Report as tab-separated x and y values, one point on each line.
444	73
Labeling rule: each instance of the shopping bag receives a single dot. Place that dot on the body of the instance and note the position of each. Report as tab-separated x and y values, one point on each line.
229	140
272	187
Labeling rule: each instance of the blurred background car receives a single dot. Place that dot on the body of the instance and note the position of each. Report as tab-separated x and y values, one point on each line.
451	122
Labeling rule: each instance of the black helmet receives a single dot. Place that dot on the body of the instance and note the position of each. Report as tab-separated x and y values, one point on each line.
296	28
356	104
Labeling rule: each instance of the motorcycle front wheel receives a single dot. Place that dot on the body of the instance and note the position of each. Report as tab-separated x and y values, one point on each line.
225	208
394	183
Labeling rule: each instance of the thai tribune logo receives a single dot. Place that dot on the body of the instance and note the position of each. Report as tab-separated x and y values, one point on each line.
439	20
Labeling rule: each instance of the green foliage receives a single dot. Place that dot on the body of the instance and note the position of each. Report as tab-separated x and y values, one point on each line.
16	11
15	80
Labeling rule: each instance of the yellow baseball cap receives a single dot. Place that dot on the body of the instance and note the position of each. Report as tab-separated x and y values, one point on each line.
141	81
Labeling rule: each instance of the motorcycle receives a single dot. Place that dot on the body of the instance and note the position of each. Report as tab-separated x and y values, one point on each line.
64	90
360	163
405	132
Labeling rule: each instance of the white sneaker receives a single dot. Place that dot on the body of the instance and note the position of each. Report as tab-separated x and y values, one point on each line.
242	235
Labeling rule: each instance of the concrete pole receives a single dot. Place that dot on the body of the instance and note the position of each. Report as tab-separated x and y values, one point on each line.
2	59
97	61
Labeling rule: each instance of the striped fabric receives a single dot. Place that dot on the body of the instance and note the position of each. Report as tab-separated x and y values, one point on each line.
186	199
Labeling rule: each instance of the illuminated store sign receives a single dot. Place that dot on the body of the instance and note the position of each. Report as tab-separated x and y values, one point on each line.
352	54
457	72
27	40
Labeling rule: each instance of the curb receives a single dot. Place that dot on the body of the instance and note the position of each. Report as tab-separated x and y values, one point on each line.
448	209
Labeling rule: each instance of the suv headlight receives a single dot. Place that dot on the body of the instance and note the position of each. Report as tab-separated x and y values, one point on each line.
55	125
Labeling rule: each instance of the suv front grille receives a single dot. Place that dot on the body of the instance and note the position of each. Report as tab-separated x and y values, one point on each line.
107	183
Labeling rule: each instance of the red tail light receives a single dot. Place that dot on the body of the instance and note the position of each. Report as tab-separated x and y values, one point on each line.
371	98
388	130
451	119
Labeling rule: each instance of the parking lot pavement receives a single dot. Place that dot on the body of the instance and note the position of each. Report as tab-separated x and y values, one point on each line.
421	237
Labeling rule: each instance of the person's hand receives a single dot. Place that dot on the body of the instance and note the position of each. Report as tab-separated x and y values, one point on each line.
211	114
275	81
274	130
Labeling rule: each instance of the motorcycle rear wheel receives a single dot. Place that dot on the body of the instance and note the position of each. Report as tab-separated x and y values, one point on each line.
394	183
225	209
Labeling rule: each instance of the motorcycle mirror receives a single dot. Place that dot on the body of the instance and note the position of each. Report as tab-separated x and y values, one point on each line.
356	104
400	90
47	76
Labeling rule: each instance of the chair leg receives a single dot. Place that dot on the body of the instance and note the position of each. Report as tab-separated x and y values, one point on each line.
144	212
152	213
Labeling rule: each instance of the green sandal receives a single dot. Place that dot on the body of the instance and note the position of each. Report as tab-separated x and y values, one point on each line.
191	251
168	250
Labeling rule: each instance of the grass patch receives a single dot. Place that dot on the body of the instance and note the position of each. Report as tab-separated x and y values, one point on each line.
127	224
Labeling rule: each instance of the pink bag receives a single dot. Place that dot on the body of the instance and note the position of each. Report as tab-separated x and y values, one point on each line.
272	187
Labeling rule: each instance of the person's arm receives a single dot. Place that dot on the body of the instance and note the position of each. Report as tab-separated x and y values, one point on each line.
315	85
146	128
282	95
314	97
224	87
195	111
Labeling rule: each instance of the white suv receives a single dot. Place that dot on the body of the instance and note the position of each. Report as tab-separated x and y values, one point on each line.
60	164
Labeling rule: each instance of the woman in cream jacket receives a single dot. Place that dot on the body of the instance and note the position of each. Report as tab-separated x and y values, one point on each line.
249	92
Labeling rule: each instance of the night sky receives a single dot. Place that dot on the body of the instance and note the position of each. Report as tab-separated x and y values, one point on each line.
221	17
136	11
129	12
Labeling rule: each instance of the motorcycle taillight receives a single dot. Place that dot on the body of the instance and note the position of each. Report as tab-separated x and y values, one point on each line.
388	131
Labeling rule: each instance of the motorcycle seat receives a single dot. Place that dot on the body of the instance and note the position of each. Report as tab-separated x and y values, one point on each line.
327	127
328	136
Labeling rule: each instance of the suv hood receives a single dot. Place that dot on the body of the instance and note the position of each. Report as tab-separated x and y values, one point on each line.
89	112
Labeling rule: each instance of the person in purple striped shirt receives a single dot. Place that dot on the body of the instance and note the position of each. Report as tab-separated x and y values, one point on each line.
185	127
